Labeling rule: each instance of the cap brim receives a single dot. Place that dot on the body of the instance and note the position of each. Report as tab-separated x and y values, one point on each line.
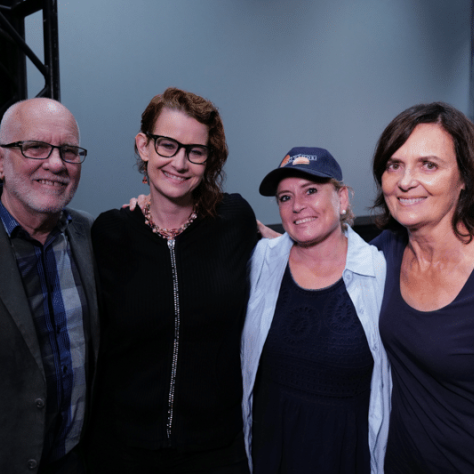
269	185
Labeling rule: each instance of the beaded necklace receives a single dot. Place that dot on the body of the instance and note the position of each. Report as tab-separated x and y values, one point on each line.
168	234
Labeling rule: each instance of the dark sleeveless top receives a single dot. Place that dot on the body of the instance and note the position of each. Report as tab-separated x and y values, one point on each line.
311	397
432	359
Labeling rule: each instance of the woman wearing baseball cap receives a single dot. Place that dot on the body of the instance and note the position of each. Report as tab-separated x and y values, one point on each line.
316	377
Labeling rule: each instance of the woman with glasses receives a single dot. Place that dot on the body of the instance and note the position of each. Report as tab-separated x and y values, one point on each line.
174	286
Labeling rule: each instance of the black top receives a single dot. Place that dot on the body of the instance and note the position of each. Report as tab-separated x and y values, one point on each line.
138	327
312	391
432	359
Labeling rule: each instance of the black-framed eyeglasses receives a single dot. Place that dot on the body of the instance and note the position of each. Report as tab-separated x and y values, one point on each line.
169	147
36	150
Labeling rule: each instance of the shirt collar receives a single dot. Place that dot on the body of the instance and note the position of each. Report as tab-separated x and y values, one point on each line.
11	224
359	254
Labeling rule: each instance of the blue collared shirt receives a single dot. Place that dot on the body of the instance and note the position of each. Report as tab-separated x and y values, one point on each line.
58	304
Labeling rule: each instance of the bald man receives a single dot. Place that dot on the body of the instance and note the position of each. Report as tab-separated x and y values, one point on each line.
48	303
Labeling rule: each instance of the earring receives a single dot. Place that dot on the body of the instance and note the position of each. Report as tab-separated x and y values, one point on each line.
145	179
343	212
145	174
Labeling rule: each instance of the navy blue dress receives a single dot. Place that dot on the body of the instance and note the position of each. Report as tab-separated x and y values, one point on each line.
311	397
432	359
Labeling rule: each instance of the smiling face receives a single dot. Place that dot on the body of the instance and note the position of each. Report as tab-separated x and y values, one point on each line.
33	187
422	183
310	211
173	179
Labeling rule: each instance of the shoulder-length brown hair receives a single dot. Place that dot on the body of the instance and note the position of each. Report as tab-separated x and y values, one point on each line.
396	134
209	192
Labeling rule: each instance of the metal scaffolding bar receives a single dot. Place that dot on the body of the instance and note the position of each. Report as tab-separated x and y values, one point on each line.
14	50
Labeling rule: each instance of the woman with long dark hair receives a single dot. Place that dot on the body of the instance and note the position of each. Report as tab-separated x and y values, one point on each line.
424	170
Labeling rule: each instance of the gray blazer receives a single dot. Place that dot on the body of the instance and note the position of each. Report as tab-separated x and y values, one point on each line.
22	377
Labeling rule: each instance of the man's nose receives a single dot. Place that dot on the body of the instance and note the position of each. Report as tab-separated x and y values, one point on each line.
54	162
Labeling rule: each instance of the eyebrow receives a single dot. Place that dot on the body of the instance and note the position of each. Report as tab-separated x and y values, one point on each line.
308	184
42	141
419	158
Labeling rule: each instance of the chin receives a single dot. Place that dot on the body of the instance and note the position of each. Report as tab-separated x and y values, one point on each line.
52	206
306	242
412	225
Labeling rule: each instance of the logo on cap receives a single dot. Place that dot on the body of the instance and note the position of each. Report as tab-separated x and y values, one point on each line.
298	160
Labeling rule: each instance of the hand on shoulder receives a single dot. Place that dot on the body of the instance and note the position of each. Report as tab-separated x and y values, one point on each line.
141	200
266	232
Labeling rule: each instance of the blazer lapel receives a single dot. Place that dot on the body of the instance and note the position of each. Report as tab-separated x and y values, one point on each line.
14	298
79	237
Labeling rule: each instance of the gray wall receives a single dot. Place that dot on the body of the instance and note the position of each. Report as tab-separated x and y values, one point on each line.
284	73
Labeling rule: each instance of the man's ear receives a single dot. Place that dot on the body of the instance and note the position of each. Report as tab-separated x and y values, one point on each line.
2	158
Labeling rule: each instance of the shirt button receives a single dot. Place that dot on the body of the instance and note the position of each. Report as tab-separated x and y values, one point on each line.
32	464
39	403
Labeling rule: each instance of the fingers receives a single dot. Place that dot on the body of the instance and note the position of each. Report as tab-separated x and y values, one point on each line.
266	232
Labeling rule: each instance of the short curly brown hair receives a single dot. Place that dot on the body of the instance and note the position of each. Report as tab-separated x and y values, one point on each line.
396	134
209	192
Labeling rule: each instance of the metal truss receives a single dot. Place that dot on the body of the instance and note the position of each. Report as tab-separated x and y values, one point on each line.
14	50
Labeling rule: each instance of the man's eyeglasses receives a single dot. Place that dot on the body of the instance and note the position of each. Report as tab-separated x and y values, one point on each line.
169	147
42	151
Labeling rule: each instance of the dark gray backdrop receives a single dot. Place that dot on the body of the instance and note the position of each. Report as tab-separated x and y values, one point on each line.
284	73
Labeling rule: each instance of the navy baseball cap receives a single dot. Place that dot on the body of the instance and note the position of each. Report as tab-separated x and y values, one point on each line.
301	161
